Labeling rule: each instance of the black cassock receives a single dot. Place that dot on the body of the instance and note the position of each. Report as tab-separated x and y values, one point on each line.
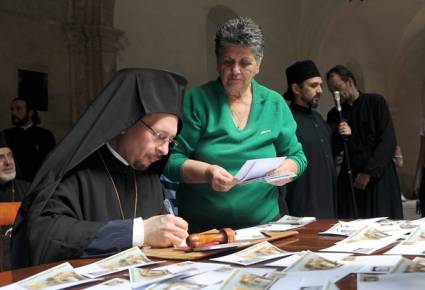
14	190
314	193
74	223
30	147
371	149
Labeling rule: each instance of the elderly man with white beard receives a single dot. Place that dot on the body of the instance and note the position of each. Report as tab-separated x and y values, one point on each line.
11	189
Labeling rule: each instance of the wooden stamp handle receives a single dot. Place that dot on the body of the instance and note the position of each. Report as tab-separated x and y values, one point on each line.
224	236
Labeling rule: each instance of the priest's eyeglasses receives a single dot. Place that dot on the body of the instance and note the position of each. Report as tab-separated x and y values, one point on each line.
161	138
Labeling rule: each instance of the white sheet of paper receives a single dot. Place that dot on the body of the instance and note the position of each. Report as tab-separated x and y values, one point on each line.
258	253
373	264
113	284
294	220
217	277
279	227
416	249
195	268
243	279
288	282
248	234
405	281
59	277
364	247
256	168
413	245
308	261
141	277
318	278
343	228
132	257
288	261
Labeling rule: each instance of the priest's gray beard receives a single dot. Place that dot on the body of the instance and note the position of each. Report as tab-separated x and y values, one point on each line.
6	177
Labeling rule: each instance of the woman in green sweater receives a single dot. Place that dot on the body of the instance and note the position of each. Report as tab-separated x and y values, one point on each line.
226	122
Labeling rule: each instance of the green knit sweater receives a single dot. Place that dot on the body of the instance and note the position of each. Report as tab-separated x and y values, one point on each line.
210	135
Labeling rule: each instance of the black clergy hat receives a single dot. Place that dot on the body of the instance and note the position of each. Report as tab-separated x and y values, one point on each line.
3	141
299	72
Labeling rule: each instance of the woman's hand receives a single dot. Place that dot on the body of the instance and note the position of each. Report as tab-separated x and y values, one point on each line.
287	166
219	179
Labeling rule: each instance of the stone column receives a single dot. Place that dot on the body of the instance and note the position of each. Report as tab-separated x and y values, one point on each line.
93	44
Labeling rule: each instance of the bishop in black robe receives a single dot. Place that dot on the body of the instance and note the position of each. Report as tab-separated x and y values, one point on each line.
72	209
371	147
313	193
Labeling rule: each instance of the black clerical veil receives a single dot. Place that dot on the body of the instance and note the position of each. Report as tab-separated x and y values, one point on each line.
130	95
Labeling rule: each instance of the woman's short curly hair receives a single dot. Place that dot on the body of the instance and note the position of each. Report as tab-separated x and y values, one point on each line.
240	31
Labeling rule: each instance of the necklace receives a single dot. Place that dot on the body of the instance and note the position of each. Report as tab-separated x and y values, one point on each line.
116	190
238	119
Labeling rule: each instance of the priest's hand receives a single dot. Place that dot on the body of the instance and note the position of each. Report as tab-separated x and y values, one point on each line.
165	231
362	180
344	129
219	179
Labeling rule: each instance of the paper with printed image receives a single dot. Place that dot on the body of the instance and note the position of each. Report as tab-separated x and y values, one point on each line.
258	253
216	278
365	241
288	261
343	228
113	284
413	245
405	281
294	220
377	264
242	279
132	257
59	277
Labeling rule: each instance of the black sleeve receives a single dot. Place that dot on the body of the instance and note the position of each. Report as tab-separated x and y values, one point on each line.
60	230
112	238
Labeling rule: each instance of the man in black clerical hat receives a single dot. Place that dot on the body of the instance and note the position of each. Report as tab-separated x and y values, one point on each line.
314	193
99	191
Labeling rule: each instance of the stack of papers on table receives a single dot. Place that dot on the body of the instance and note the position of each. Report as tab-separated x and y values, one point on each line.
315	269
59	277
295	220
413	281
132	257
258	253
257	169
413	245
365	241
347	228
113	284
